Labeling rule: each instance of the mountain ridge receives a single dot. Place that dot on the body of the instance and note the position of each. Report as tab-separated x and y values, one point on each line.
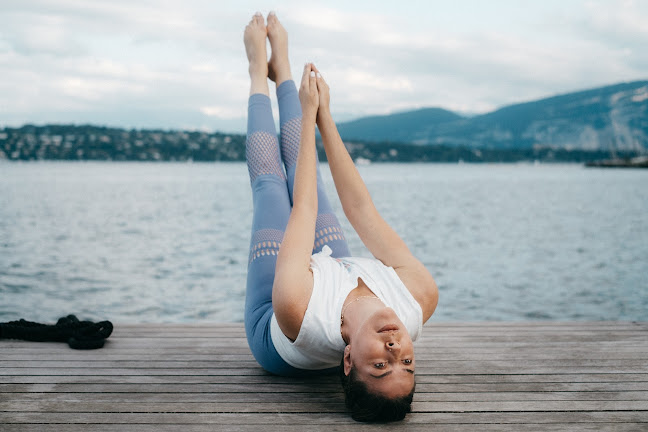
613	117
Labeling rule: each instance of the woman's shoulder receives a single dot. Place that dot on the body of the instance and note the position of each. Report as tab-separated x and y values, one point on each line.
324	279
290	310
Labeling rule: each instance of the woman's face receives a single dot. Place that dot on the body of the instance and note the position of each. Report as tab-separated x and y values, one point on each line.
383	355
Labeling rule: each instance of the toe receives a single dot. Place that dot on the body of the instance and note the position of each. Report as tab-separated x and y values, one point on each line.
258	18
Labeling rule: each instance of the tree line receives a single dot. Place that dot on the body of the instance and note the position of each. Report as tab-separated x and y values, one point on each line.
88	142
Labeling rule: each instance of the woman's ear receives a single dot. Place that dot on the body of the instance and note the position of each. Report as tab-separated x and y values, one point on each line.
347	360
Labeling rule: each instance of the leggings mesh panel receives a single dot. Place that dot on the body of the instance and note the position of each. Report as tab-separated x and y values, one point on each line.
290	137
265	242
262	153
327	229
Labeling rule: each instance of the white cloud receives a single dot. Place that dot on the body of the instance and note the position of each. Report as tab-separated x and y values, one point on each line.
224	112
43	35
173	62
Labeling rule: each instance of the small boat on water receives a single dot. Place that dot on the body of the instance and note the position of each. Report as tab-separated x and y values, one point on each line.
635	162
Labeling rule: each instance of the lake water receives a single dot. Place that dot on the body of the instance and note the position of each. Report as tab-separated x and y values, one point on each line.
139	242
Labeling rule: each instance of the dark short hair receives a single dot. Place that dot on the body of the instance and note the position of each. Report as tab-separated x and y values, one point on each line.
371	407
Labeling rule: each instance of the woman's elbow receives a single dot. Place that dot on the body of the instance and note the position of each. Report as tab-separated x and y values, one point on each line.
433	295
430	298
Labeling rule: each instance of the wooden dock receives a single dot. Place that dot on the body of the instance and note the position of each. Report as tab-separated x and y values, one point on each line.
470	377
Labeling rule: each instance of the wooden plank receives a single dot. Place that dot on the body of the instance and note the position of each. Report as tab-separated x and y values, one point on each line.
475	334
33	367
333	386
209	347
317	418
429	333
331	406
27	355
430	324
425	353
269	379
474	338
356	427
251	369
500	376
253	397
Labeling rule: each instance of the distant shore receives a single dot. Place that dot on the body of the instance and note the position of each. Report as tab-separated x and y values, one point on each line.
88	142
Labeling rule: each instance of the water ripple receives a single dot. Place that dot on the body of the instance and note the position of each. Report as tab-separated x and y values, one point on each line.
168	242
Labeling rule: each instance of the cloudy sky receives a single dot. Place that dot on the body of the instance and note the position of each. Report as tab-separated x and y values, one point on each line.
181	64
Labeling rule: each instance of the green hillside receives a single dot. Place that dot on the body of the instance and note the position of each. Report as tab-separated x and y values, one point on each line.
612	117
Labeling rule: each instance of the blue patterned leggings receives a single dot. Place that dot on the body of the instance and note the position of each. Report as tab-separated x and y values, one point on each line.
272	189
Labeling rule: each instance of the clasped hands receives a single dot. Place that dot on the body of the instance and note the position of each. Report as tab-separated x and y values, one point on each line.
313	93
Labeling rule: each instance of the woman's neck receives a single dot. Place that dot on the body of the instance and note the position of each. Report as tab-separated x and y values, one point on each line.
359	305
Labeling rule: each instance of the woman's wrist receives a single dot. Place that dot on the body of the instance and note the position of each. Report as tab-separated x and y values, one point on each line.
323	113
309	116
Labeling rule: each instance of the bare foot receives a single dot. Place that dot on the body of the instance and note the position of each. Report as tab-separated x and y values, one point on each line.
254	38
279	65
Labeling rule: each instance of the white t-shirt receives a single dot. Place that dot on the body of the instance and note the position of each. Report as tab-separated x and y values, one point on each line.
319	344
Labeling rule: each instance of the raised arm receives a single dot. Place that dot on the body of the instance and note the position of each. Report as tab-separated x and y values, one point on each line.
293	280
381	240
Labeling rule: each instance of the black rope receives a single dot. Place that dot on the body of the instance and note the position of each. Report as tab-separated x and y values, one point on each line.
77	334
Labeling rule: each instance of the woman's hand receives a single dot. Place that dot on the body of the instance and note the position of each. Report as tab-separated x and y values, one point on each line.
308	93
324	94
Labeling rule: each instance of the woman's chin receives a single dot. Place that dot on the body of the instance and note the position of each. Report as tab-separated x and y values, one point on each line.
386	320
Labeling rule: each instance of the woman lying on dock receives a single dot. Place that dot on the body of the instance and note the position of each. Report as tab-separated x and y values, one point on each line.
310	307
